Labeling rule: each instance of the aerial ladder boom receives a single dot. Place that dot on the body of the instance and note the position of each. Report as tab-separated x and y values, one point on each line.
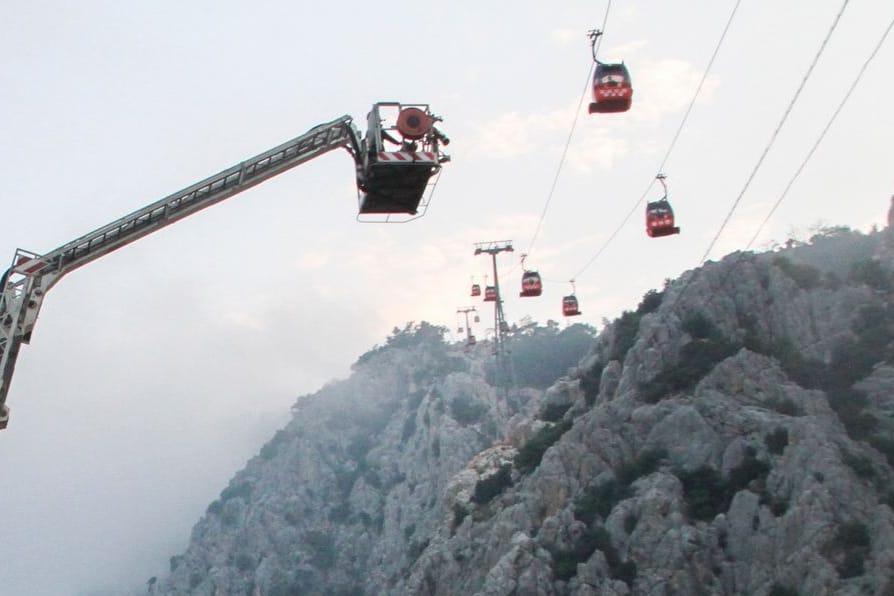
379	179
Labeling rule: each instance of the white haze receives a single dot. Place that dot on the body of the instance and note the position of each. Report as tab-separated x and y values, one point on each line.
156	372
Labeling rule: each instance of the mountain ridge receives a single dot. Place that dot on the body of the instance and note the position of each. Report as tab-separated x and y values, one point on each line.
729	436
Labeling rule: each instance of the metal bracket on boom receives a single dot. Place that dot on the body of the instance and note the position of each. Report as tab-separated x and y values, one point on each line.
389	182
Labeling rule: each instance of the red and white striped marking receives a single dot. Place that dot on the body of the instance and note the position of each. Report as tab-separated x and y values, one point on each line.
622	92
27	266
406	156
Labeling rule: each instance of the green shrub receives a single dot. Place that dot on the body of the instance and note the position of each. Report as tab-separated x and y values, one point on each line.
409	427
630	522
414	400
849	403
600	500
777	440
697	358
195	578
808	373
748	470
699	326
705	492
780	590
539	355
849	547
805	276
784	405
488	488
417	548
459	514
644	464
650	302
244	562
409	531
565	562
241	489
871	273
412	335
466	410
322	547
553	412
860	464
530	454
340	513
272	447
590	382
626	328
885	446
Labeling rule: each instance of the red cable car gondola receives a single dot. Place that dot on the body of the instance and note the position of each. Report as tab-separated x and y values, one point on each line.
476	290
531	284
569	306
660	215
612	88
490	294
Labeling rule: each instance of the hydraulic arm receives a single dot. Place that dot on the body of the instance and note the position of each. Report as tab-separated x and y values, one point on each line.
386	186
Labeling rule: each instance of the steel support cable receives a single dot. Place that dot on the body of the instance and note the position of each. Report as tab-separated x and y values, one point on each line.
670	147
580	103
822	134
804	162
779	126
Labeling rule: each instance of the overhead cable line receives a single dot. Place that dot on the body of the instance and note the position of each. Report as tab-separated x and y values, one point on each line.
800	168
669	149
580	103
822	134
779	126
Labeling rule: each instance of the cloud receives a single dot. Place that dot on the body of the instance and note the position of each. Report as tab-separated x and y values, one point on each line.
595	146
512	135
665	86
565	36
310	260
617	52
741	228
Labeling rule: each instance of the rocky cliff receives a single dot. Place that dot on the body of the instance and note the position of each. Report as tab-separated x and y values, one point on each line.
732	435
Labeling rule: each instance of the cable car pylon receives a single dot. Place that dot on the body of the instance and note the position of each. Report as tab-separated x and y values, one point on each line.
465	310
500	326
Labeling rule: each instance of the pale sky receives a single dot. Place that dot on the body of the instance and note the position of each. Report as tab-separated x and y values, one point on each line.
155	372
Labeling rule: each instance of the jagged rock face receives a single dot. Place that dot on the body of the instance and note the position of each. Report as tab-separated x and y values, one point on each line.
345	497
732	436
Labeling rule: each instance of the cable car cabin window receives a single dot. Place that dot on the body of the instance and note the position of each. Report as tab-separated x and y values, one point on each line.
612	75
531	284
